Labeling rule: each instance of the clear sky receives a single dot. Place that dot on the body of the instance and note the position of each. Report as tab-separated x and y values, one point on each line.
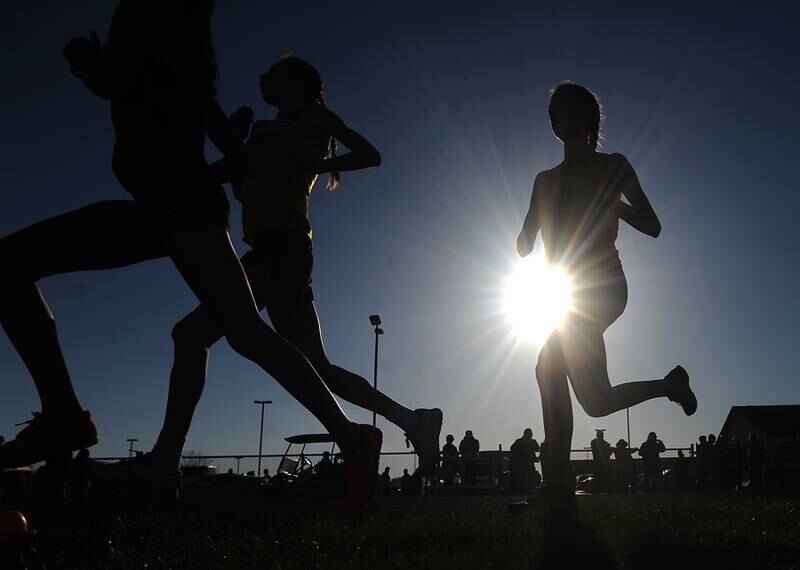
701	98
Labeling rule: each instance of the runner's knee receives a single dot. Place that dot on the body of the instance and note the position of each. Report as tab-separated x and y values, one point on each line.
252	338
596	404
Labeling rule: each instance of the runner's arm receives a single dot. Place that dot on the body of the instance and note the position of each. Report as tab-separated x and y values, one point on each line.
530	227
637	213
108	70
361	153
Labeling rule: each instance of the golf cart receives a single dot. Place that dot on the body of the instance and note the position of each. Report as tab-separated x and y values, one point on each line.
302	474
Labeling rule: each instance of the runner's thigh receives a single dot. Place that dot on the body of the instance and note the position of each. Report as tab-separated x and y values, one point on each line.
102	235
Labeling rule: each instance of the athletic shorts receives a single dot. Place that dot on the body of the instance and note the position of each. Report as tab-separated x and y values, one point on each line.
279	268
177	200
601	300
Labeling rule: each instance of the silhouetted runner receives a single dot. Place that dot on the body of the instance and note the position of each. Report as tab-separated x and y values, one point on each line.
158	70
577	206
285	155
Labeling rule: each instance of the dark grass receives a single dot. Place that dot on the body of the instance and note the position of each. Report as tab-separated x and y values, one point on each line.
690	531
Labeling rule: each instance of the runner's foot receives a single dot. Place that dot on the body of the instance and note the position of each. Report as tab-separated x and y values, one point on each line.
42	438
141	476
425	440
558	501
361	466
680	392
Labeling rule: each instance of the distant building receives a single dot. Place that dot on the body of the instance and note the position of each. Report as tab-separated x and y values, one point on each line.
778	430
771	424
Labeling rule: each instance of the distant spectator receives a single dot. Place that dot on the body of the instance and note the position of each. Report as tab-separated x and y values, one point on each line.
712	463
626	467
325	466
755	462
651	451
523	457
266	475
702	462
230	471
469	447
405	484
250	474
386	483
601	454
449	460
681	479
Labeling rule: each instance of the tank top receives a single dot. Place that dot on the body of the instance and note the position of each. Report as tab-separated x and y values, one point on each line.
579	220
276	193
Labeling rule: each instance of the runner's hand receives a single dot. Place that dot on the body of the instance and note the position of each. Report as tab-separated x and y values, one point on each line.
240	121
79	51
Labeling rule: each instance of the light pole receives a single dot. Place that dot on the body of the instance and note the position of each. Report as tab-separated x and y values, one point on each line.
262	403
628	420
131	440
375	320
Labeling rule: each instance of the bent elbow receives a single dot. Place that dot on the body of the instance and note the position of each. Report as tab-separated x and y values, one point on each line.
375	159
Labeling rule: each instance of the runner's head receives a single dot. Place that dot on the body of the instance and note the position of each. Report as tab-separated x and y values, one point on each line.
292	85
575	114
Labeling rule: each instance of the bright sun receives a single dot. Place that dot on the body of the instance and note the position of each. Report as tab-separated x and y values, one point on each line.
538	296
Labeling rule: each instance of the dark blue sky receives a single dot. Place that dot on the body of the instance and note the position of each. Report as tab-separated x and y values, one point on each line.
702	99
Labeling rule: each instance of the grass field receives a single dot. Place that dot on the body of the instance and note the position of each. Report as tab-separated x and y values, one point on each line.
681	531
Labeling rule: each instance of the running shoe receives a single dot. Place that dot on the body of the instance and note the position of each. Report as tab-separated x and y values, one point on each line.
680	392
42	438
558	501
361	466
425	440
140	476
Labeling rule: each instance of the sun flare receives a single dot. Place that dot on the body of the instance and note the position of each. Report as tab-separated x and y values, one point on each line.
538	297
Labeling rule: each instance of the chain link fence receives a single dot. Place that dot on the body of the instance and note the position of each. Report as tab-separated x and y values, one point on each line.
396	461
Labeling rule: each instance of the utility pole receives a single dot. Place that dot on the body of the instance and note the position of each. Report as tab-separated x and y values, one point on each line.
262	403
375	320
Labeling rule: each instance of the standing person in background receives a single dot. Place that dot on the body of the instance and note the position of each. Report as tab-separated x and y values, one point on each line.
650	452
626	467
449	460
601	455
703	468
469	447
386	483
523	463
713	461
